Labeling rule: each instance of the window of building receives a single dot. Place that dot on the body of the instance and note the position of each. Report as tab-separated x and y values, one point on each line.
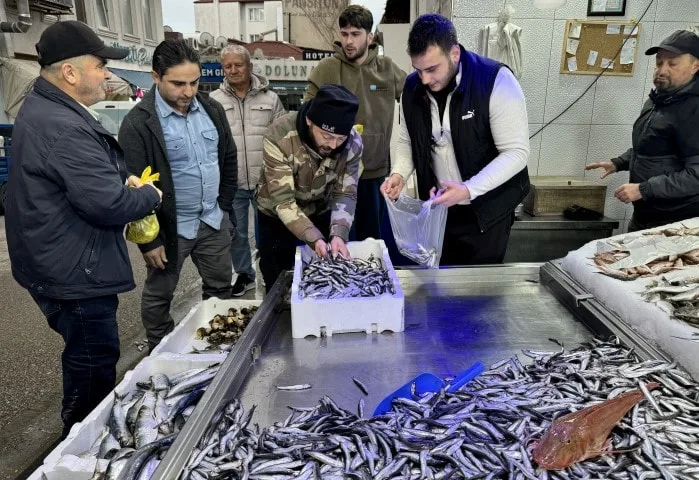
255	37
80	15
102	13
127	17
256	14
148	19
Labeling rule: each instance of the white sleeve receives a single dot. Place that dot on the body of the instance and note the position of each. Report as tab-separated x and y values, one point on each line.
510	129
403	156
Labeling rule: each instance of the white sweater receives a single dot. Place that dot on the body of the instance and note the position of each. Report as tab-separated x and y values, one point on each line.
509	127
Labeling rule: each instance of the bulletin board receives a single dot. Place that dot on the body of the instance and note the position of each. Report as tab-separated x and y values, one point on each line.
592	47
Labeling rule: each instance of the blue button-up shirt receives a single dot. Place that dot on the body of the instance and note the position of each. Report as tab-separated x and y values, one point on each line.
192	150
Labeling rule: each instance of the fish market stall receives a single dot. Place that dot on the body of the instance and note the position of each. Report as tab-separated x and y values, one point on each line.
655	320
302	407
499	315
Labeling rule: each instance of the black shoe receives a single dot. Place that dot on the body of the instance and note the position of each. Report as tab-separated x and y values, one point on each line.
242	284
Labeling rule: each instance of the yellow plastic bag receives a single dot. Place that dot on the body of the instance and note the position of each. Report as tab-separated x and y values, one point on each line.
360	130
146	229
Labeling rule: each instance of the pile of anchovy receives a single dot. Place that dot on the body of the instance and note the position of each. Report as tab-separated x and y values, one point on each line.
428	257
225	330
343	278
485	430
678	298
143	424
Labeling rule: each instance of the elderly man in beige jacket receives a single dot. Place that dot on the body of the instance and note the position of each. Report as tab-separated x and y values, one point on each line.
250	107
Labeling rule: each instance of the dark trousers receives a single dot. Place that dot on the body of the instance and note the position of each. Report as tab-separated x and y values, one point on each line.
277	245
465	244
211	254
371	208
637	224
89	330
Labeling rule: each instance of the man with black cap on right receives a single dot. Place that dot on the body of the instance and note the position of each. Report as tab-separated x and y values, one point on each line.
663	162
307	191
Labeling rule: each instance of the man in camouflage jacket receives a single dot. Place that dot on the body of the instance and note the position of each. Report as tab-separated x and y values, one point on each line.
308	183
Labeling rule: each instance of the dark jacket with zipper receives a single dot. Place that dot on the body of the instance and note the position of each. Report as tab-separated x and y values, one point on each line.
66	203
472	138
141	137
664	159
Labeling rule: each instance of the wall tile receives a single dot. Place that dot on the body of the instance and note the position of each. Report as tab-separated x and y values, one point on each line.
534	149
526	9
634	10
686	11
477	8
607	141
572	9
563	89
564	150
536	49
468	31
616	98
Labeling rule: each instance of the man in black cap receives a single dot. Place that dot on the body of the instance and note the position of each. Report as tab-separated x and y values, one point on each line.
67	204
308	184
664	159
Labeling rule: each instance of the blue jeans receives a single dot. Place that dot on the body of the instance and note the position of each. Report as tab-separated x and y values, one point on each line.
89	330
240	246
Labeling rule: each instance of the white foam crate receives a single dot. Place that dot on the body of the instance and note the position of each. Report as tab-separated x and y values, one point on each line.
183	339
311	316
63	461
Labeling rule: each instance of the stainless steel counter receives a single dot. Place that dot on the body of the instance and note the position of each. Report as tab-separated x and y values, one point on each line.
453	317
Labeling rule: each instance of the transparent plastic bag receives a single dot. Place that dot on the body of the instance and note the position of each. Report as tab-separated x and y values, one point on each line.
147	228
418	228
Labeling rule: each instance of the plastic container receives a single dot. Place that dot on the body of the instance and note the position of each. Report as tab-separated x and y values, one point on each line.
182	339
63	462
320	317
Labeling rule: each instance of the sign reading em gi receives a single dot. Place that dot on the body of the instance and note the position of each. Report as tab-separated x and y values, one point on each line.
285	70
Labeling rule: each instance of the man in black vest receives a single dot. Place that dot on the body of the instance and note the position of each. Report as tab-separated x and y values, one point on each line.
464	132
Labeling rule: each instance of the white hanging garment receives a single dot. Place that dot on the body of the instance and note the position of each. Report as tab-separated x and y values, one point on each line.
501	42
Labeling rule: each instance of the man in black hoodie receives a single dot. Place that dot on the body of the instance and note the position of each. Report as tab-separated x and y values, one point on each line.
664	160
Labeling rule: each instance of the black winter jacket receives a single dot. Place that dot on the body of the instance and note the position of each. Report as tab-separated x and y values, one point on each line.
664	158
142	139
66	203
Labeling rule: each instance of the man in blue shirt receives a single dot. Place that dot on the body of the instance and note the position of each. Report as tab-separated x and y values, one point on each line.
186	138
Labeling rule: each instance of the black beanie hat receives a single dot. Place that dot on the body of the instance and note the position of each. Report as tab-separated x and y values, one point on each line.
333	109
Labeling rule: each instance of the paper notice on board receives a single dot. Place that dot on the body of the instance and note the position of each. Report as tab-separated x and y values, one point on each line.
592	58
599	5
572	46
575	30
607	63
572	64
627	51
613	29
628	30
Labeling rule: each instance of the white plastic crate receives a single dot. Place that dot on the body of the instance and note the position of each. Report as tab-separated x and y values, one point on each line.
63	461
313	316
183	339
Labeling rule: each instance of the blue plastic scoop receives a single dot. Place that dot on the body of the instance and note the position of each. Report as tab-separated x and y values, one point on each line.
428	382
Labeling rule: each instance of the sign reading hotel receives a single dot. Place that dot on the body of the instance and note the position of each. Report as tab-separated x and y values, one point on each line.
279	70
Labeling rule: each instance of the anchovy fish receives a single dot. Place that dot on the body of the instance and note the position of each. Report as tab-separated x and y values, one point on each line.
484	430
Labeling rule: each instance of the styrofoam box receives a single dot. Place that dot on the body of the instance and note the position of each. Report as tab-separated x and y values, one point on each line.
313	316
183	339
63	461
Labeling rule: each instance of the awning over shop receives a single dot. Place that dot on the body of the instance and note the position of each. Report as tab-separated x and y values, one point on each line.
16	80
135	77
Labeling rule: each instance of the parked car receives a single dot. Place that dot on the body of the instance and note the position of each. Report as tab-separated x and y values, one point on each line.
112	114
